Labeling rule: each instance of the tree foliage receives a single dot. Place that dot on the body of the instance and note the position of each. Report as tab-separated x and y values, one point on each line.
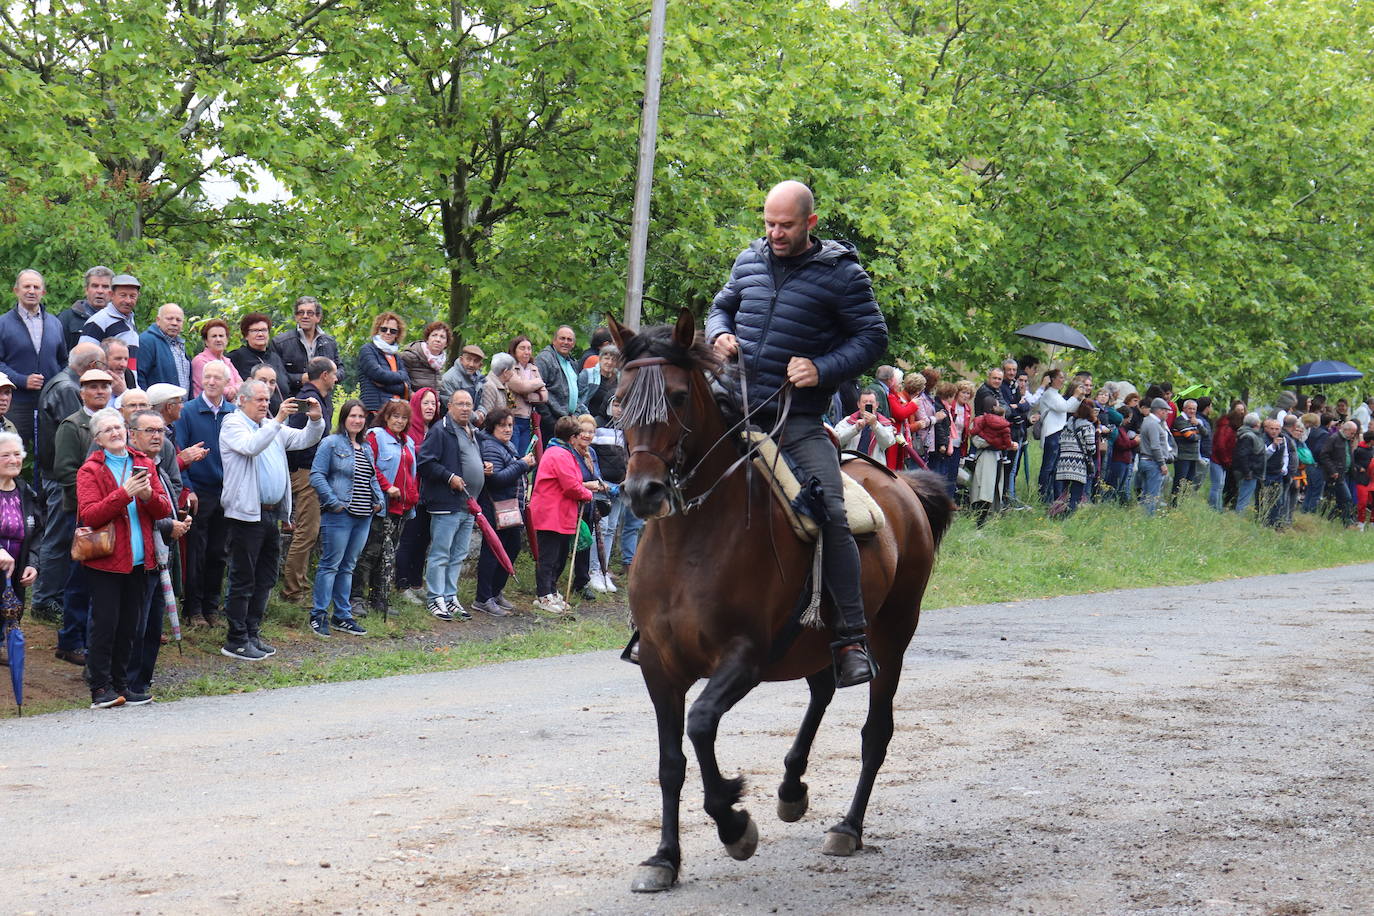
1184	180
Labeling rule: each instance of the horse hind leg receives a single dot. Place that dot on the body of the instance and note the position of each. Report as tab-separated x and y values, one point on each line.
793	797
659	872
734	678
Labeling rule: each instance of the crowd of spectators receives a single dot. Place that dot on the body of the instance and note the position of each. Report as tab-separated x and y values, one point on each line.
220	471
1106	441
228	471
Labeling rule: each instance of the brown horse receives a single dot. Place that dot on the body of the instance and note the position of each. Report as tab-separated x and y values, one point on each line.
717	580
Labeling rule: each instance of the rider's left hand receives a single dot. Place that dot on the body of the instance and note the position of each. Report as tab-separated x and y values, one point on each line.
802	372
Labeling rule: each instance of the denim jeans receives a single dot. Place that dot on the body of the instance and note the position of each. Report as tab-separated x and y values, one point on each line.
520	439
76	610
342	537
1217	474
1245	494
450	534
1115	484
1049	457
1152	480
631	526
1316	488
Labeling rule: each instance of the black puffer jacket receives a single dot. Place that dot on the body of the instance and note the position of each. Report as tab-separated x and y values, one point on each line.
822	308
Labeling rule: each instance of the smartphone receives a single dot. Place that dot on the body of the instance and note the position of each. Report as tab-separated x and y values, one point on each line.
868	408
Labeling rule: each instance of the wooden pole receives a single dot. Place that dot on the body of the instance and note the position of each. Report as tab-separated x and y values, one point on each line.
644	179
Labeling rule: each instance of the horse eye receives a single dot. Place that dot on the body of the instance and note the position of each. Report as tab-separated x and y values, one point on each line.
678	398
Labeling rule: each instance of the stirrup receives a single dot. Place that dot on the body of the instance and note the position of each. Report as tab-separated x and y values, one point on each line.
631	651
850	650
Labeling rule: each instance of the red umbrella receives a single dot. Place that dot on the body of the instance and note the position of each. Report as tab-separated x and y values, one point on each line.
489	535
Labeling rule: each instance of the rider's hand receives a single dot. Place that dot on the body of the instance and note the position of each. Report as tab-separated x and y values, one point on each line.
726	346
802	372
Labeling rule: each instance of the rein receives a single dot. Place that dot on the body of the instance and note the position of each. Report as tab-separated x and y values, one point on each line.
677	478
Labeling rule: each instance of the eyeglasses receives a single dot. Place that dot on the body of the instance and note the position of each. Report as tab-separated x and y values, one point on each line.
389	330
257	330
305	313
153	430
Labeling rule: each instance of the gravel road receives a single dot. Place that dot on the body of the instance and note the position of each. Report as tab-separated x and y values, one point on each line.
1199	749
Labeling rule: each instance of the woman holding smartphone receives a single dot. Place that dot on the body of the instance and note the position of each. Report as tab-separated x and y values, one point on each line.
117	486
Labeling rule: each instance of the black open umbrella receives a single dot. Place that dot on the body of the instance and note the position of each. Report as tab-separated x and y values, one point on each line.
1324	372
1057	333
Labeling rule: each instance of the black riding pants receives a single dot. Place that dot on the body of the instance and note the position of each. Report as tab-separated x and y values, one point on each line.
806	442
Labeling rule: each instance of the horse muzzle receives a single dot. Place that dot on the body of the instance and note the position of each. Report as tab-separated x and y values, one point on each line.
649	497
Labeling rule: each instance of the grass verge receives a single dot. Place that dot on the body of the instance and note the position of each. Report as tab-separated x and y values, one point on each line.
1018	556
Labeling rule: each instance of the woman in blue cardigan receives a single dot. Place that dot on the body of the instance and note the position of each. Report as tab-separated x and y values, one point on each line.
344	477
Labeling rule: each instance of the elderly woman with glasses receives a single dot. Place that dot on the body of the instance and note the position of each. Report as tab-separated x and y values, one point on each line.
380	365
119	487
148	436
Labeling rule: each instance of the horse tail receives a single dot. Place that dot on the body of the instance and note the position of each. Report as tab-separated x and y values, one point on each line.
931	490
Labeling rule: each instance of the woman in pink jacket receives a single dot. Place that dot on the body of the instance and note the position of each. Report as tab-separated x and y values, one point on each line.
557	496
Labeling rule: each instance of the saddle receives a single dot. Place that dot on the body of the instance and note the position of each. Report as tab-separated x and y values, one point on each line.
864	513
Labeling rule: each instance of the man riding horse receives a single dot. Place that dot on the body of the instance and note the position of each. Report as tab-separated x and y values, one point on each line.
801	310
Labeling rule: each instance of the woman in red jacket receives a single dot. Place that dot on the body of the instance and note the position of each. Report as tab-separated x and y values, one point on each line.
116	485
554	505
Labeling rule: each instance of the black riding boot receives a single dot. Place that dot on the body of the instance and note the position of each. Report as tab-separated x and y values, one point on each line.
853	664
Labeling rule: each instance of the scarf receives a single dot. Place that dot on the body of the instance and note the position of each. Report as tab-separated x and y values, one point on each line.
389	349
405	479
437	361
418	427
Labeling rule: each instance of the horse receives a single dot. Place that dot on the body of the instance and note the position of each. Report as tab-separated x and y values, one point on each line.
714	590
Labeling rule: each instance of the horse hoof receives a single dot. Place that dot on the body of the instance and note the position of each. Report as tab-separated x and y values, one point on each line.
838	843
791	811
650	879
744	847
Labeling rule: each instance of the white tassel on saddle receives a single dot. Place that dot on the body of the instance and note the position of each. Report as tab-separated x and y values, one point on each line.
811	617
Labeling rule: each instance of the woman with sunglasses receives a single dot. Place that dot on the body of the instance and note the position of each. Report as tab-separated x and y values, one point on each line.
383	372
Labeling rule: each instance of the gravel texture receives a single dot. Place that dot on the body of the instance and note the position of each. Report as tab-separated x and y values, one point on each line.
1199	749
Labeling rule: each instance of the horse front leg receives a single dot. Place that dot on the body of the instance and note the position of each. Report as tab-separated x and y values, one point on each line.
735	676
792	792
660	871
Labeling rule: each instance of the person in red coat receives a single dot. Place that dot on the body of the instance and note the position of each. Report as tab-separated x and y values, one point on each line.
120	486
554	504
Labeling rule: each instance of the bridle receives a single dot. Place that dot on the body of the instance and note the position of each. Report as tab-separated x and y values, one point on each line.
678	478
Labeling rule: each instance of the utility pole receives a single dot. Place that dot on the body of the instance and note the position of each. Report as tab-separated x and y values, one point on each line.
644	179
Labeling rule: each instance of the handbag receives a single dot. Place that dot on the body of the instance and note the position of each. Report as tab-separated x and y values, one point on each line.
93	543
507	512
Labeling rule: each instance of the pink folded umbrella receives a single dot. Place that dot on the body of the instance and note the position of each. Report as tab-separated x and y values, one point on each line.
489	535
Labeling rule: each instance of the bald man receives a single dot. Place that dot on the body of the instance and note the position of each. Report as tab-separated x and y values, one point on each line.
800	309
162	351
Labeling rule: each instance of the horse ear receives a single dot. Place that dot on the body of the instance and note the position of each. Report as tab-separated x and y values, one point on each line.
686	329
619	333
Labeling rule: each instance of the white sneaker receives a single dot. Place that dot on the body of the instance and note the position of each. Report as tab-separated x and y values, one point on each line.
598	582
548	604
610	583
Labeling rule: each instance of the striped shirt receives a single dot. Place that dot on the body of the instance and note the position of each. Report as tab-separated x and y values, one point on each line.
360	496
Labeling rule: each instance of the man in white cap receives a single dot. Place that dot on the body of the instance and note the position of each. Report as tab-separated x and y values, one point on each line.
116	319
71	445
6	399
1157	449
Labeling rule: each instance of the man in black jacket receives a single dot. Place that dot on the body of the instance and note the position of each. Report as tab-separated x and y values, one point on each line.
1334	460
320	378
305	342
801	310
